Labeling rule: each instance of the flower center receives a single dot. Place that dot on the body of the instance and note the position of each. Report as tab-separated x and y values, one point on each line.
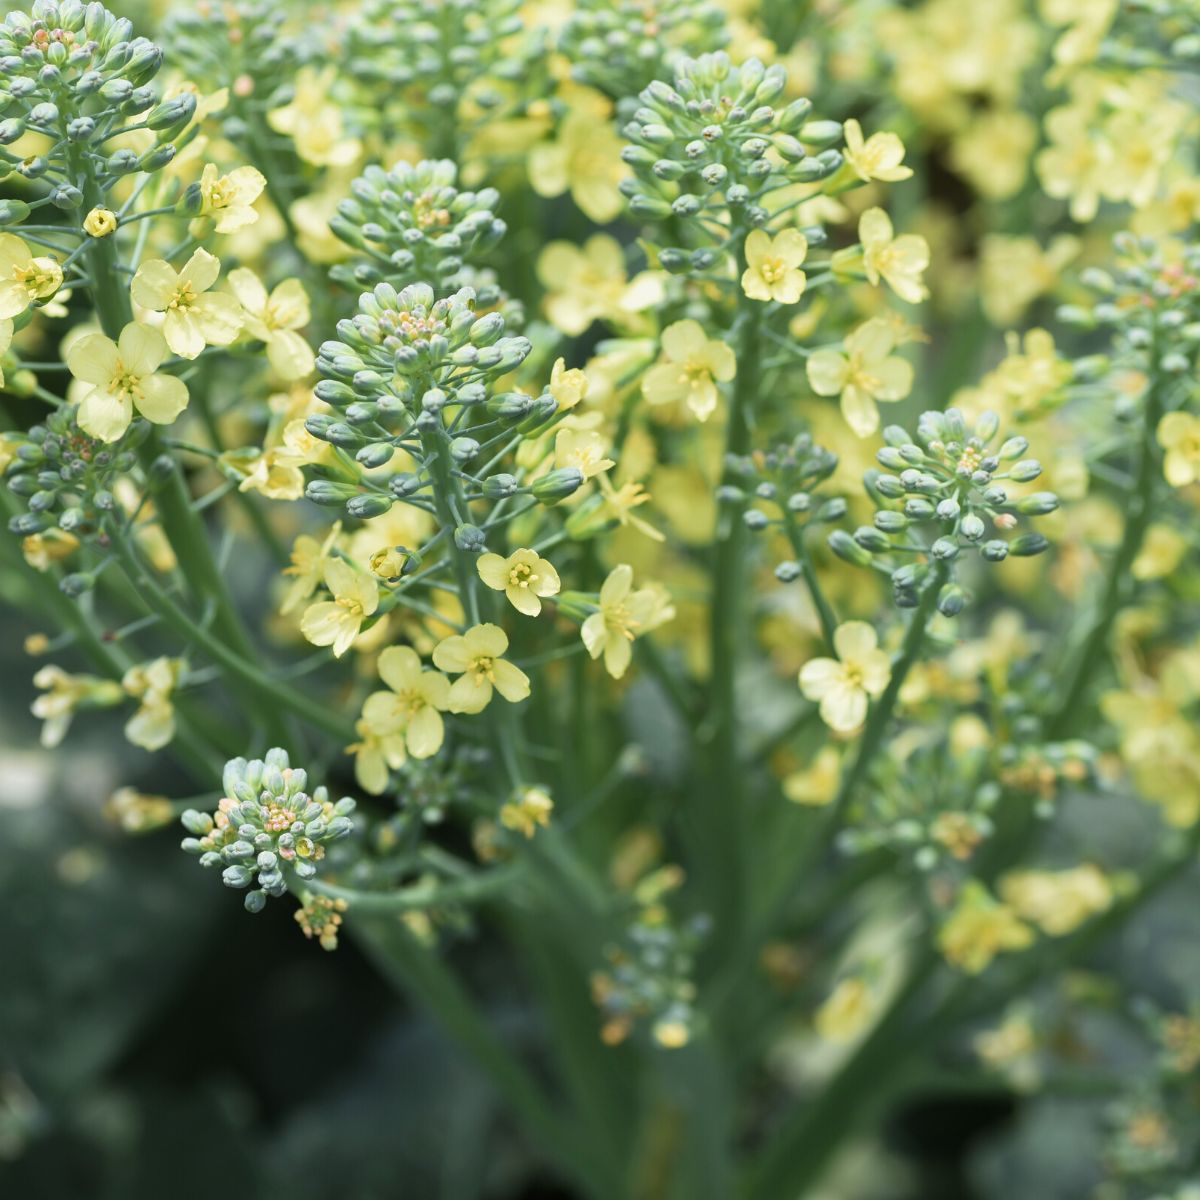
772	269
483	669
184	296
124	382
522	575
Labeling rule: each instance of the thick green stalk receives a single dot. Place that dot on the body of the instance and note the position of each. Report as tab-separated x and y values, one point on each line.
716	818
421	974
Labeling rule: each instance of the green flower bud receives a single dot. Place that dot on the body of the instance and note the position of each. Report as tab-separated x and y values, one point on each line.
557	485
846	548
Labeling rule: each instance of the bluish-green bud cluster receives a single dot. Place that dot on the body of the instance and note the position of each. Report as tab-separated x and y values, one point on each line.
705	152
621	46
951	492
265	825
76	73
413	224
67	477
780	489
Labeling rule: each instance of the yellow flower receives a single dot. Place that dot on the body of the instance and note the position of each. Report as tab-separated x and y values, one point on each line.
1058	902
816	784
585	160
407	720
1163	549
308	567
846	1012
900	261
619	504
1015	271
274	320
476	658
193	317
43	550
314	122
623	615
337	622
1179	436
567	387
773	266
23	278
582	448
589	283
63	695
153	725
100	222
524	577
693	367
1076	163
865	373
979	928
228	200
992	152
124	377
528	811
879	157
843	684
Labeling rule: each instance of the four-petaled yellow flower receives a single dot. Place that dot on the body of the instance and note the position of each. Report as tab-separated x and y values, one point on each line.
623	615
307	566
568	387
865	373
979	928
878	157
1179	436
527	811
274	319
773	266
153	683
842	685
900	261
407	720
586	160
694	365
584	449
314	121
124	377
228	200
23	278
476	657
337	622
193	317
524	577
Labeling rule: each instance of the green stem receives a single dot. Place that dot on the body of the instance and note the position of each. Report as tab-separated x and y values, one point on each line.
420	973
1139	510
825	613
236	667
716	819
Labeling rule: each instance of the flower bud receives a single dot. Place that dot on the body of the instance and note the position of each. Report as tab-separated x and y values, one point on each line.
557	485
